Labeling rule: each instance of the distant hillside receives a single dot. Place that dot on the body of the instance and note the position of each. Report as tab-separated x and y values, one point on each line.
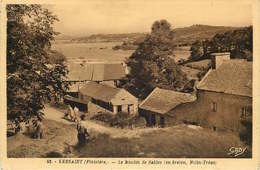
188	35
183	36
109	37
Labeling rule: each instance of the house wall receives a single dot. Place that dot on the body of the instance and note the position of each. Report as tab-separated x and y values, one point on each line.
126	100
127	108
123	98
226	117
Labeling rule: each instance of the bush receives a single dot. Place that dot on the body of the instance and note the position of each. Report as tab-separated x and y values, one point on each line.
246	134
54	155
120	120
101	116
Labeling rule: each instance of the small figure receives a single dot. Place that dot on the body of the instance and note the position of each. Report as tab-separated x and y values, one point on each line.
71	113
82	134
75	116
39	129
66	114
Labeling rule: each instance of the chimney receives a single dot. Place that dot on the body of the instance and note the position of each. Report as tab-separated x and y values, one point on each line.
218	58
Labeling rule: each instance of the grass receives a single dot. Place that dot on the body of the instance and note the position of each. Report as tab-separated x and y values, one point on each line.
190	72
181	53
57	137
175	142
180	141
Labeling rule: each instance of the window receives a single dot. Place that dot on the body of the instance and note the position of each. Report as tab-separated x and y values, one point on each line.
246	112
130	108
214	107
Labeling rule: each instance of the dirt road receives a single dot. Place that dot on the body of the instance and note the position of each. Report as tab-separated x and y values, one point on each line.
54	114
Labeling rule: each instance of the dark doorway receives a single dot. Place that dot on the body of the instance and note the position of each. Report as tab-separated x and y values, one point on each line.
153	120
162	121
119	108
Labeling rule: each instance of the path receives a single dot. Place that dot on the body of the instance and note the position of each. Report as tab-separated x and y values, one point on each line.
54	114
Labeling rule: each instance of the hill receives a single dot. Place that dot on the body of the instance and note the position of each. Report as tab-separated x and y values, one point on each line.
183	36
109	37
188	35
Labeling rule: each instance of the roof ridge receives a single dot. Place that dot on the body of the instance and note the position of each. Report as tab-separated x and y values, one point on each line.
148	96
229	78
94	82
202	80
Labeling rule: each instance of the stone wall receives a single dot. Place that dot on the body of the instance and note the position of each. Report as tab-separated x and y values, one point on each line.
226	117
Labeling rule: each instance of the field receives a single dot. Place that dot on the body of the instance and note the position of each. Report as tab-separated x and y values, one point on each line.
175	142
181	53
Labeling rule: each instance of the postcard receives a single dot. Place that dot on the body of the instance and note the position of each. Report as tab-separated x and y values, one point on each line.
129	84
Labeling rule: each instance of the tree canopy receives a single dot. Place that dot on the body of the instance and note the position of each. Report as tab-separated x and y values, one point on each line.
238	42
152	64
33	77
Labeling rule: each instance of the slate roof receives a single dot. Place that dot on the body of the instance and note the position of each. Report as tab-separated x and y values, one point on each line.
99	91
116	96
162	101
96	71
232	77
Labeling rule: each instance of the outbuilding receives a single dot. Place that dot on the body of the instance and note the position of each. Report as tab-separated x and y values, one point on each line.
155	108
110	98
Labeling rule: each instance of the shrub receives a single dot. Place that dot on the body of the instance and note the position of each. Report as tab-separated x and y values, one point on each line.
120	120
53	155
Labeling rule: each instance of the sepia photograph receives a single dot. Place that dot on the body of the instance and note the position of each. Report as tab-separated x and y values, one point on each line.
129	79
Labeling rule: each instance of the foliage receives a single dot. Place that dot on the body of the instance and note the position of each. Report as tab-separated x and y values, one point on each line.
152	63
120	120
196	50
238	42
32	77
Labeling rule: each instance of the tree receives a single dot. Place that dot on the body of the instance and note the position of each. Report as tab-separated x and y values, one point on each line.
32	77
152	64
238	42
196	51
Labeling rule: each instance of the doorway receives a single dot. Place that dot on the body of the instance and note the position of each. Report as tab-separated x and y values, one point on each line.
119	109
153	120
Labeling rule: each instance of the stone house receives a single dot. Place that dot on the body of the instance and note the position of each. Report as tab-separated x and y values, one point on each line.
224	96
112	99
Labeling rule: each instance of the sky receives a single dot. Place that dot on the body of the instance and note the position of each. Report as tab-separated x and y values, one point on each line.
125	16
